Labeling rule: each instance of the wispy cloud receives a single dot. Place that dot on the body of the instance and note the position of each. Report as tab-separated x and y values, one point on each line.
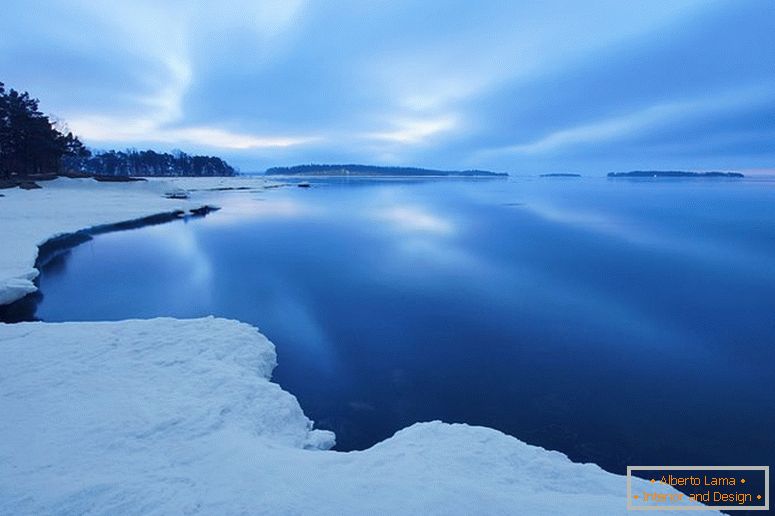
112	129
497	85
627	124
417	130
164	33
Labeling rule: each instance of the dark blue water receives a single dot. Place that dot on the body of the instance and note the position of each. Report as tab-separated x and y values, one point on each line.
619	321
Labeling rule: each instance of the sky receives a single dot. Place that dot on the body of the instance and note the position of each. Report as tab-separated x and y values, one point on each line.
515	86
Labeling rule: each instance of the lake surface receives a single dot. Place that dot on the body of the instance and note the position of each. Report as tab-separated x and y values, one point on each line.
618	321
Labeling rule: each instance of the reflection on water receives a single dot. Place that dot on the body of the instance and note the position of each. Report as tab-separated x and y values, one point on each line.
621	322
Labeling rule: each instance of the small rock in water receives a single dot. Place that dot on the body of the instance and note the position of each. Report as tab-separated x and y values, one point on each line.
117	179
204	210
177	194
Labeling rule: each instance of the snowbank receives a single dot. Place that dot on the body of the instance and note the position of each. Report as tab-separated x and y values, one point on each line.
173	416
28	218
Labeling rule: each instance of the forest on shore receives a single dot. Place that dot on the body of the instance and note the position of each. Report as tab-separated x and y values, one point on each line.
33	144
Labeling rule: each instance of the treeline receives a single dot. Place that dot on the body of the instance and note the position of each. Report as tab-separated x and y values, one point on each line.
373	170
30	143
148	163
673	173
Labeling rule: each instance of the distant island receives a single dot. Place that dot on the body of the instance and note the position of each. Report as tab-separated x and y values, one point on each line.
561	175
373	170
673	173
148	163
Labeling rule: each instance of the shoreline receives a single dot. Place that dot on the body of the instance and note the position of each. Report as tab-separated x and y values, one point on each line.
375	176
23	309
429	460
68	206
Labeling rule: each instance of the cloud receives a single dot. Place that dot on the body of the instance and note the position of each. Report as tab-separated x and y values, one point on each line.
622	126
164	34
107	129
496	85
417	130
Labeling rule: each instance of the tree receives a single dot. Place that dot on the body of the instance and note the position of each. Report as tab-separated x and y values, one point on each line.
5	125
33	143
132	162
29	141
73	146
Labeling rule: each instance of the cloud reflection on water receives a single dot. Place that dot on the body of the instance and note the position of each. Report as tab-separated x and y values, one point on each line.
415	219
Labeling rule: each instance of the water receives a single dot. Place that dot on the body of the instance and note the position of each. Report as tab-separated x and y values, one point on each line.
619	321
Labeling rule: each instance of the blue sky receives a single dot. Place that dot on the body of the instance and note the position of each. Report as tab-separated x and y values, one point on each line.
523	87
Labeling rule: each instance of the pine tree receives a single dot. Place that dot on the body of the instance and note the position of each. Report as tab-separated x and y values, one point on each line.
29	142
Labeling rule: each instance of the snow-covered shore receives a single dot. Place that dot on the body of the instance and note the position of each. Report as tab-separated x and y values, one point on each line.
173	416
28	218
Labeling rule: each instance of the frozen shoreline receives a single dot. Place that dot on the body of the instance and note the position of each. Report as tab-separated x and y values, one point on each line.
31	218
174	416
168	416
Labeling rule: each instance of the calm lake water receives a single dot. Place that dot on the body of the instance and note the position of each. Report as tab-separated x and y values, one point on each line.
618	321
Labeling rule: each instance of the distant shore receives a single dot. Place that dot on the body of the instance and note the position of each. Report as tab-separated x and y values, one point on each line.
674	173
352	170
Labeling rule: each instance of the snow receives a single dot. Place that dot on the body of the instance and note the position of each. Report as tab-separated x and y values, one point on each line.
169	416
30	217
